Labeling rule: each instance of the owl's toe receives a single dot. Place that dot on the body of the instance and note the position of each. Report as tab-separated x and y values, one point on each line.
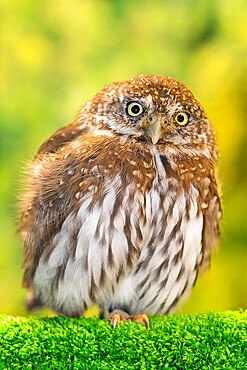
118	315
141	318
115	319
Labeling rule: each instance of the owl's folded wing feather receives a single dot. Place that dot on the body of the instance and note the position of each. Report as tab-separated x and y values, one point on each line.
60	179
59	174
61	137
212	214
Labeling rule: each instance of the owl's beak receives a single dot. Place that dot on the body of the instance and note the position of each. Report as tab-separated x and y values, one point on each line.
154	130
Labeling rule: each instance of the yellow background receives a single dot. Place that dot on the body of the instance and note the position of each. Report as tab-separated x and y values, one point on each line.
55	54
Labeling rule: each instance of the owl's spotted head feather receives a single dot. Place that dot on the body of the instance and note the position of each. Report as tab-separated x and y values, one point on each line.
155	109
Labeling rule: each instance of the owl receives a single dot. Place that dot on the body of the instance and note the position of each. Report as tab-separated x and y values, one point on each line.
122	206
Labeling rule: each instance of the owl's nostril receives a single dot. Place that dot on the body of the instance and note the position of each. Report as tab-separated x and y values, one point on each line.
150	119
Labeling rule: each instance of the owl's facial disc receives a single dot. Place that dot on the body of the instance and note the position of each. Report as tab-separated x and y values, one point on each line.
153	109
135	109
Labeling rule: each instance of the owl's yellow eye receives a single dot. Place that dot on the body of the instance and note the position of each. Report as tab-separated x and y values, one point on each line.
134	109
182	118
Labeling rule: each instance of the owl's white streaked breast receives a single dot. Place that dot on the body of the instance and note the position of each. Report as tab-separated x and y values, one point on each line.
133	250
171	253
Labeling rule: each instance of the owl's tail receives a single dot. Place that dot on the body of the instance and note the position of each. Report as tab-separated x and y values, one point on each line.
32	302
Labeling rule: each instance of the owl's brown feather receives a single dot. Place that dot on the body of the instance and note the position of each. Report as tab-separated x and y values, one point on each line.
64	178
111	218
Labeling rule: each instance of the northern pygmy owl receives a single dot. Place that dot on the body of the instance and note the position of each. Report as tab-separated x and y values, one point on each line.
122	206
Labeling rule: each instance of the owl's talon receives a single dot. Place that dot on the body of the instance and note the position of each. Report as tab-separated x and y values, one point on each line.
118	315
115	320
141	318
145	321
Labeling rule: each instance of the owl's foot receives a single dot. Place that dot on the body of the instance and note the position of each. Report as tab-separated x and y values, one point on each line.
118	315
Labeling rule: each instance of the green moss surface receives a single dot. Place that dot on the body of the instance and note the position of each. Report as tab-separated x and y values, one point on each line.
207	341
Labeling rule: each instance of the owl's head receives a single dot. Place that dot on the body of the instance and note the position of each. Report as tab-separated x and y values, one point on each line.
154	109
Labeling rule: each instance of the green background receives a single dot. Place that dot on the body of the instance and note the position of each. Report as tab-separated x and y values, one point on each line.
55	54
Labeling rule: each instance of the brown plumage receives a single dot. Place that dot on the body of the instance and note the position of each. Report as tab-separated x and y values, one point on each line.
122	206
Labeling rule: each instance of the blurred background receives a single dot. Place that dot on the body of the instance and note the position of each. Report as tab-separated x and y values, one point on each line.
54	55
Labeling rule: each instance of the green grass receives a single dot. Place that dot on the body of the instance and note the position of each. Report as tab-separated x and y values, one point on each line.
207	341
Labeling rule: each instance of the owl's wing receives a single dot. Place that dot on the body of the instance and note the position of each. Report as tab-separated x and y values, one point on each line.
61	137
60	170
212	215
92	170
